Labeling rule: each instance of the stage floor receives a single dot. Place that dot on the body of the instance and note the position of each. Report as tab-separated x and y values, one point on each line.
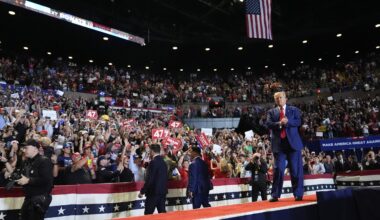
231	211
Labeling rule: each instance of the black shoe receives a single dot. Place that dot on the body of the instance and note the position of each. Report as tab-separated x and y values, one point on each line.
273	199
298	198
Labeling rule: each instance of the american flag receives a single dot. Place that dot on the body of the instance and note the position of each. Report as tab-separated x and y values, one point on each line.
258	16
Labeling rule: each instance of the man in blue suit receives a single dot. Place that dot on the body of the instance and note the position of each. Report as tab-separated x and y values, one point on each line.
199	185
155	186
283	121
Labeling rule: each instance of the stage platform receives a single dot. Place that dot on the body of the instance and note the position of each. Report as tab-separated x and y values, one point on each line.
284	209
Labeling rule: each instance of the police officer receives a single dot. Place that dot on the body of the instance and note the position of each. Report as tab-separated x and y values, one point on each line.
37	181
258	168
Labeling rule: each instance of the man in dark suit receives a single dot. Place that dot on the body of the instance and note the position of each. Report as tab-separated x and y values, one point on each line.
199	185
155	187
283	121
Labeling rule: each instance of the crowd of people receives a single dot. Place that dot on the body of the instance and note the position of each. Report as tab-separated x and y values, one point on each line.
130	87
115	145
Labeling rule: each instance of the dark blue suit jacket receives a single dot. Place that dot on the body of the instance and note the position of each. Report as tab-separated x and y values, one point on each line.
157	178
199	177
294	121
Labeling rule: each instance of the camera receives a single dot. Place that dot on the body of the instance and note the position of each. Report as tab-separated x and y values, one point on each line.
12	179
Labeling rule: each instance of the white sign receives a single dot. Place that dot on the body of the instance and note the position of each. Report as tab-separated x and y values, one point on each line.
49	114
330	98
207	131
60	93
319	134
15	96
216	149
249	135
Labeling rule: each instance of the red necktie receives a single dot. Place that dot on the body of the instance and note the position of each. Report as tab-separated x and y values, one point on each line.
282	115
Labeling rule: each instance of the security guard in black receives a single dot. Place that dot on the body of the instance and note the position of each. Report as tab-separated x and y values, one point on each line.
37	182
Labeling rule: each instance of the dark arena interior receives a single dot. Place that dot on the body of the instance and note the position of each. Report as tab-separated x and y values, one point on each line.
197	109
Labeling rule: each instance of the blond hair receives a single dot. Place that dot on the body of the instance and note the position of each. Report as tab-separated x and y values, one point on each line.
279	94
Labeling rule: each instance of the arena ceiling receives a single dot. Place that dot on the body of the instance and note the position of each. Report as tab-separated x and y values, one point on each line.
193	25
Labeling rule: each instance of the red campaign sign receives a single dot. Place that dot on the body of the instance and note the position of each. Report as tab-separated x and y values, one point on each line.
92	114
128	122
175	142
175	124
160	133
203	140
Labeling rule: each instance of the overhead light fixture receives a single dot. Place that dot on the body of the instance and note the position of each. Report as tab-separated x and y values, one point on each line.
48	53
232	69
357	52
304	41
110	64
129	66
283	64
377	25
338	55
266	67
241	0
240	48
26	48
105	38
146	67
270	46
181	70
164	68
301	62
11	12
215	69
339	35
175	48
249	68
319	59
91	61
207	49
70	57
198	70
377	47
